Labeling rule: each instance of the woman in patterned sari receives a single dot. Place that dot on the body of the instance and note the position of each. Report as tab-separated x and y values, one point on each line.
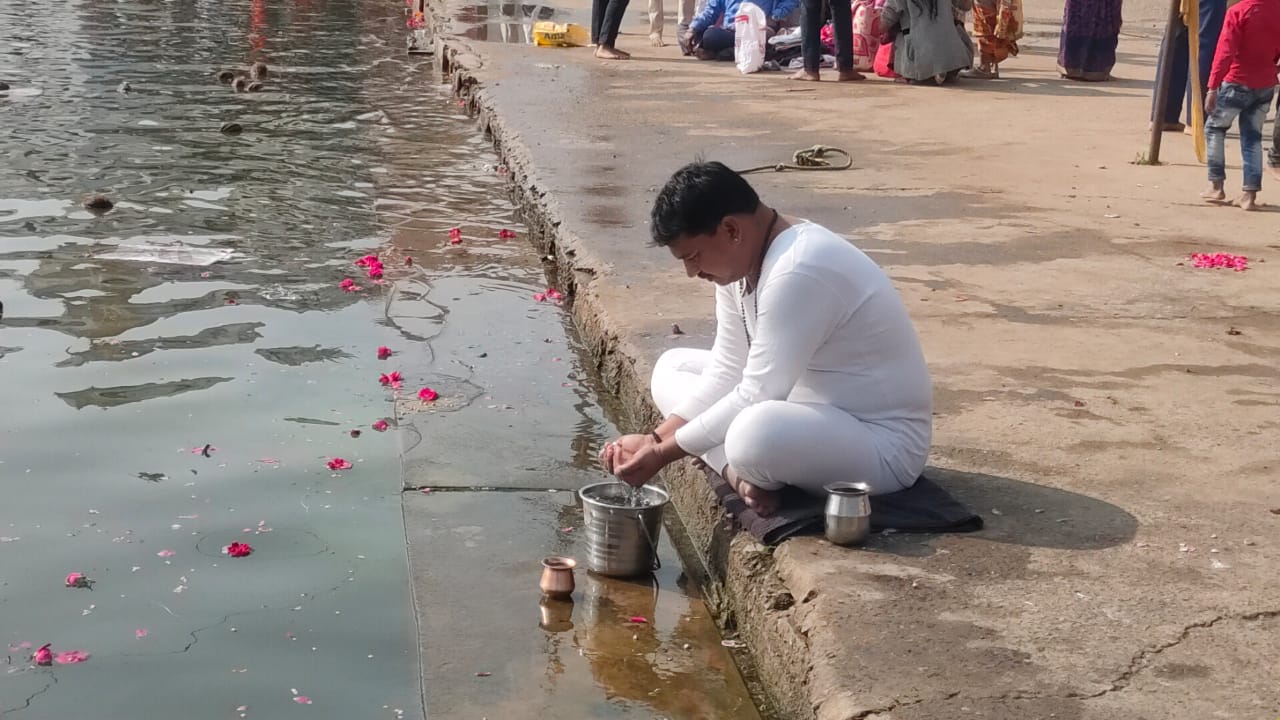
1090	33
998	27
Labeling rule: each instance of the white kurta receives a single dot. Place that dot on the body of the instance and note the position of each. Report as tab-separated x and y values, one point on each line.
829	334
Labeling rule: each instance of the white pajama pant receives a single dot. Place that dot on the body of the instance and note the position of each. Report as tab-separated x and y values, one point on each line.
777	443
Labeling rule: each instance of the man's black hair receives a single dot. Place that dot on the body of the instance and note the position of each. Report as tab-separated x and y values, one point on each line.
696	198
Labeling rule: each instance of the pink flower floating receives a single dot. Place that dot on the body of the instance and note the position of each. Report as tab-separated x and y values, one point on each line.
140	633
375	271
349	285
455	236
384	352
302	699
166	553
551	294
1239	263
381	426
368	260
426	394
43	656
393	379
79	580
505	234
408	261
239	549
638	620
339	464
71	657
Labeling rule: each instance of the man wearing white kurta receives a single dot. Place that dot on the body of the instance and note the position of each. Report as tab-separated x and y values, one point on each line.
816	374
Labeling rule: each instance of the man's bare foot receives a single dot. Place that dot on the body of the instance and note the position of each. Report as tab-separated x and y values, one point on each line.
1215	193
656	40
764	502
806	76
1248	201
608	53
850	76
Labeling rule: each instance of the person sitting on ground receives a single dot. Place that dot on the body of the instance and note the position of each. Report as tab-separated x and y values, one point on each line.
816	374
929	39
1242	84
710	35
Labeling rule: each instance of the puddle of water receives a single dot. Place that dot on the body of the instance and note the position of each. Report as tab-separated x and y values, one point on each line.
499	22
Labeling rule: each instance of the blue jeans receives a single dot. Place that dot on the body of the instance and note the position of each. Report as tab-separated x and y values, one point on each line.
1251	107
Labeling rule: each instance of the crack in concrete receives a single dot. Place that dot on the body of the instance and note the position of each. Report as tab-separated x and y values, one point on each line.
53	680
1141	661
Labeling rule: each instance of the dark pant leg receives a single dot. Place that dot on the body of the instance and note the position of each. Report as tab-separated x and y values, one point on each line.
842	27
1273	155
811	34
1179	69
717	40
612	22
597	17
1212	14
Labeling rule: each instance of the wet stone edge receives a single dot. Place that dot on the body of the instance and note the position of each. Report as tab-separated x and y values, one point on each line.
741	583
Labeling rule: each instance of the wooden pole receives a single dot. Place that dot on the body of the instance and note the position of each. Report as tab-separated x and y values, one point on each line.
1162	82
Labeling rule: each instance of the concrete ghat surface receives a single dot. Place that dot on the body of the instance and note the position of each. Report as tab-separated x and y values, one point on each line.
491	650
1109	409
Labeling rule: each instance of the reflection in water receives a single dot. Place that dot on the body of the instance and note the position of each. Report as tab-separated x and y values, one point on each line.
125	394
294	356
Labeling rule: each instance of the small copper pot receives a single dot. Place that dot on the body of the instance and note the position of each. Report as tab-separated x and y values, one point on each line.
557	577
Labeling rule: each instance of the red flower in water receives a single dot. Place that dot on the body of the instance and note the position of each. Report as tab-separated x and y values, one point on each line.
70	657
349	285
384	352
426	394
638	619
339	464
78	580
394	379
367	260
455	236
555	294
539	297
43	656
381	426
302	699
238	550
505	234
375	271
408	261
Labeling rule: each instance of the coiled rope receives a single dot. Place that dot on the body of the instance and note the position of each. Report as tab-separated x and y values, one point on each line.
814	158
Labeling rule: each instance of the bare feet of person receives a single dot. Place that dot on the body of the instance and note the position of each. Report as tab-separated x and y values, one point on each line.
1248	201
763	502
656	41
1215	193
850	76
608	53
806	76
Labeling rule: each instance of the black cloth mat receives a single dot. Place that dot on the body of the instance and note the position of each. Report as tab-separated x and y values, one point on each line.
922	508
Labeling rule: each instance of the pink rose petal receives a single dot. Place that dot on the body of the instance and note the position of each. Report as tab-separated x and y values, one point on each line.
426	394
166	553
339	464
506	234
540	297
381	426
302	699
43	656
384	352
638	619
455	236
367	260
70	657
140	633
393	379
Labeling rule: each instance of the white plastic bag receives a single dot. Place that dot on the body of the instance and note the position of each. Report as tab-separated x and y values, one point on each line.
749	38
